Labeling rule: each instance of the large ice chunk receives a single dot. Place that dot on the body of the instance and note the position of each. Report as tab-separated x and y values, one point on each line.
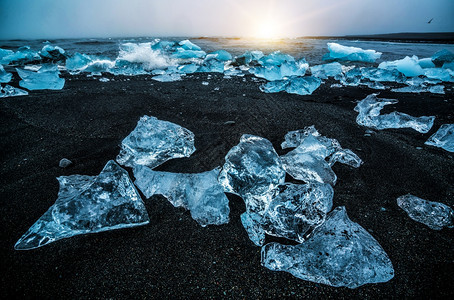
409	66
88	204
153	142
436	215
5	76
443	138
188	45
200	193
22	55
52	53
221	55
9	91
293	85
252	170
442	56
327	70
377	74
45	79
338	253
344	53
277	66
369	115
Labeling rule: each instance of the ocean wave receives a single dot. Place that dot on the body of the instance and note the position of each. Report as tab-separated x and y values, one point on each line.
142	53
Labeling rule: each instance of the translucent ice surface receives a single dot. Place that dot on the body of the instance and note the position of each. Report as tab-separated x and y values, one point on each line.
377	74
436	215
167	77
338	253
344	53
252	170
294	85
88	204
252	222
9	91
442	56
277	66
369	115
200	193
5	76
409	66
45	79
443	138
327	70
153	142
21	56
54	53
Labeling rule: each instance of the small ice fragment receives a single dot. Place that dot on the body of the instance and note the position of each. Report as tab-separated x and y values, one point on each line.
88	204
347	157
375	85
64	162
252	170
216	89
326	70
104	79
344	53
167	77
9	91
229	123
443	138
409	66
4	76
436	215
369	115
338	253
153	142
205	83
436	89
200	193
45	78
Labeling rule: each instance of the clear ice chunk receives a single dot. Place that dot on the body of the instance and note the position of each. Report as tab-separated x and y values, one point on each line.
5	77
294	85
9	91
167	77
441	74
200	193
277	70
327	70
221	55
347	157
88	204
369	115
252	170
21	56
248	57
409	66
45	79
338	253
442	56
376	74
344	53
435	215
78	62
443	138
54	53
426	63
188	54
252	222
153	142
296	209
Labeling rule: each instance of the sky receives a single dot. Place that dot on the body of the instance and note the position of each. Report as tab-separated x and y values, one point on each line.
28	19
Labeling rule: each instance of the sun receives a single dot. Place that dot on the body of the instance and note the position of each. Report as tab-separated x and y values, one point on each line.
268	29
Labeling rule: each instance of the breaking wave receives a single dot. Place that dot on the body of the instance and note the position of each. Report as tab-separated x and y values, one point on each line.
142	53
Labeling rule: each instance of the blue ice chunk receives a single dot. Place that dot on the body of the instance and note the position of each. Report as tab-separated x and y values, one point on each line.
293	139
351	78
326	70
369	115
5	76
22	55
88	204
277	72
347	157
435	215
188	69
54	53
5	55
296	209
200	193
274	86
188	45
442	56
221	55
449	65
426	63
252	170
338	253
303	85
344	53
78	61
163	45
153	142
409	66
443	138
212	65
9	91
439	74
187	54
376	74
275	58
45	78
167	77
252	222
248	57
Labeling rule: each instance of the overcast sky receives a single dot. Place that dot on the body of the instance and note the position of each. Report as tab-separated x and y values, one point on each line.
277	18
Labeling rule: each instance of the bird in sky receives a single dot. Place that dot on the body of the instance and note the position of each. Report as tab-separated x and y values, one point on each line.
430	21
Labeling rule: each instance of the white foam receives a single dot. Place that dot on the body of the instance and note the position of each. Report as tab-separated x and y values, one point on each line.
142	53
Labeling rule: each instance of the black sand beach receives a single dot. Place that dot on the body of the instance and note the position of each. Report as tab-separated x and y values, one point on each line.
174	257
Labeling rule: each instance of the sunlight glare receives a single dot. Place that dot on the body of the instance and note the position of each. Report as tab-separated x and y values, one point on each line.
268	29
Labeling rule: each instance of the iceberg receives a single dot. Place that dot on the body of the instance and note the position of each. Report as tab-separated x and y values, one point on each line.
5	77
369	115
45	79
200	193
338	253
252	170
443	138
212	65
9	91
153	142
88	204
409	66
326	70
442	57
344	53
435	215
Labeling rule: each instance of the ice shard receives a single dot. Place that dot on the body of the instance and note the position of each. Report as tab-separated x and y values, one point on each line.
326	70
200	193
296	209
443	138
5	77
369	115
153	142
435	215
409	66
9	91
252	170
442	56
347	157
88	204
45	79
338	253
344	53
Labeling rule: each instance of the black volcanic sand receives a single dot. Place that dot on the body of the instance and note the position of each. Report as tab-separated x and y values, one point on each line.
174	257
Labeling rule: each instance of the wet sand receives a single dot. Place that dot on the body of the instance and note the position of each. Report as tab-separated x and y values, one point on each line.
174	257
